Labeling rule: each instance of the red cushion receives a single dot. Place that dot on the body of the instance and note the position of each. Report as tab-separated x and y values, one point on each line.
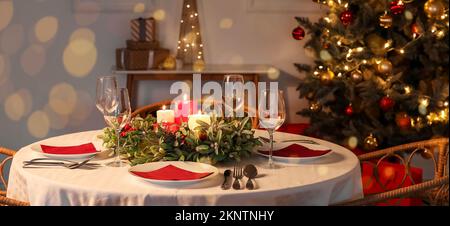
391	176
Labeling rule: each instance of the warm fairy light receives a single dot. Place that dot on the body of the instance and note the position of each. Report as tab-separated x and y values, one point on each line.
316	73
446	104
327	19
401	51
191	16
199	57
200	53
179	47
364	61
188	6
139	8
201	45
346	67
192	26
195	14
424	101
388	44
187	45
339	75
185	50
339	43
359	49
181	21
407	89
320	67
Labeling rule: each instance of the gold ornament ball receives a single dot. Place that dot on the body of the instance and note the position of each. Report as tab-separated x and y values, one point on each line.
326	76
370	143
434	9
170	63
315	107
418	123
357	76
367	74
409	15
199	65
384	67
386	20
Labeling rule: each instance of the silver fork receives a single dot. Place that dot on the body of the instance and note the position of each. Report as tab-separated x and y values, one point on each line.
237	174
71	165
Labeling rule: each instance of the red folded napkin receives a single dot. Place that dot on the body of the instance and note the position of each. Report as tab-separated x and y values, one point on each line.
297	151
69	150
171	172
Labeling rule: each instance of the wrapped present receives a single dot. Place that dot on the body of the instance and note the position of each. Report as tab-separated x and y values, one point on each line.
143	29
142	45
144	59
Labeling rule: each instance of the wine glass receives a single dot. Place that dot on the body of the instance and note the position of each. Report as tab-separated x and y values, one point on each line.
106	88
117	113
272	114
229	83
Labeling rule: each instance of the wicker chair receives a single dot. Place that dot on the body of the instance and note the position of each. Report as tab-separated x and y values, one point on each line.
152	108
432	192
4	201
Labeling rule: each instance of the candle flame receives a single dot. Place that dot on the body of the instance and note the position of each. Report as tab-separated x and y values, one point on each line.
164	107
199	112
185	97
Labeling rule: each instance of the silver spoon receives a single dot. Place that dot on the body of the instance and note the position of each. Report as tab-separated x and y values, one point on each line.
226	174
251	172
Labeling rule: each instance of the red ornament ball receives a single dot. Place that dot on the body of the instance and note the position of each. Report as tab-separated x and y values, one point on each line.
403	120
397	7
346	17
386	103
349	110
298	33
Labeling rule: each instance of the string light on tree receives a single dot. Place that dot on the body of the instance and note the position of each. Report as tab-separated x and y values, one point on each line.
190	40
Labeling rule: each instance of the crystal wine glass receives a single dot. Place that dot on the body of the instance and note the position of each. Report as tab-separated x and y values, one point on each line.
272	114
230	84
106	89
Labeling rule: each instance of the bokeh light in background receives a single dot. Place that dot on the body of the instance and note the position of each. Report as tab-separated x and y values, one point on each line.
273	73
92	9
38	124
80	55
62	98
33	59
27	99
14	106
57	121
83	108
6	13
226	23
46	28
83	33
159	15
139	8
12	39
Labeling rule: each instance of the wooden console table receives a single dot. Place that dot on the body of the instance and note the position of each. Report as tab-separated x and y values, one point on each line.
211	72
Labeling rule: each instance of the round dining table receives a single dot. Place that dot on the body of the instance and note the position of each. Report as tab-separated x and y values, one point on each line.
327	180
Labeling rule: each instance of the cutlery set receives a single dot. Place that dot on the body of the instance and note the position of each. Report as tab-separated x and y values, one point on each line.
305	141
44	162
238	173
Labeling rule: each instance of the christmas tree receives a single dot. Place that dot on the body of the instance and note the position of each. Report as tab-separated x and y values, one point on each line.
381	71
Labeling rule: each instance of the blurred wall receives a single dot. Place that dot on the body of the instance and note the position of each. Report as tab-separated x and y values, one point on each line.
50	56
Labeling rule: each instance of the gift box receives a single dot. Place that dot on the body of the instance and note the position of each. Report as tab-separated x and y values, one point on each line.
120	58
144	59
143	29
142	45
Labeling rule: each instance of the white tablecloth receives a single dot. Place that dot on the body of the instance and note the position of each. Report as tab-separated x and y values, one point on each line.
324	181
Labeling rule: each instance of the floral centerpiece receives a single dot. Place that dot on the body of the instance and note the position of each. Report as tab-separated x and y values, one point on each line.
223	139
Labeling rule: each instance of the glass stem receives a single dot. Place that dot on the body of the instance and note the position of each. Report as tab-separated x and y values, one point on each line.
271	131
117	152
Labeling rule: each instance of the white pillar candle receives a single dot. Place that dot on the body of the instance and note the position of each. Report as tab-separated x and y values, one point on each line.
192	123
164	115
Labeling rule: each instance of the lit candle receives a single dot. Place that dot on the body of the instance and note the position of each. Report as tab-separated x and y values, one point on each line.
192	123
164	115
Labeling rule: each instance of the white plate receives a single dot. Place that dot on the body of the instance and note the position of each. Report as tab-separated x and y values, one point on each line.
281	145
36	147
191	166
